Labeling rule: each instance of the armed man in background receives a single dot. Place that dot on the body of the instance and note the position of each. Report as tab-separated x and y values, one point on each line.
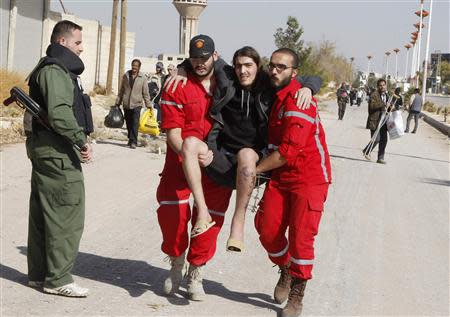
57	200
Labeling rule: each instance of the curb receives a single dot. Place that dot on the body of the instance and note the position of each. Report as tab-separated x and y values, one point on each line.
440	126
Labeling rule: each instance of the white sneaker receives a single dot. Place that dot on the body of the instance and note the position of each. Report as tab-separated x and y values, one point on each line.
176	275
195	283
36	284
69	290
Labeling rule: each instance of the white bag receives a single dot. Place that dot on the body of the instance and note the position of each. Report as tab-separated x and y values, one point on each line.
395	125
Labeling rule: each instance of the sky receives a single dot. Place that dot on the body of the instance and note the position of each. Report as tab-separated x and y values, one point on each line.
358	28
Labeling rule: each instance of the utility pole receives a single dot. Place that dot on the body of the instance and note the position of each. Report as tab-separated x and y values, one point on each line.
425	68
123	39
112	48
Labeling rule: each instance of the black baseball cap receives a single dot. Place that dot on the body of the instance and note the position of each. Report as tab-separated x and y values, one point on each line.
201	46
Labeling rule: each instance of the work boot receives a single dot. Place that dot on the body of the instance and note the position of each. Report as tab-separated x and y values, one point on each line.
195	283
283	287
294	305
176	274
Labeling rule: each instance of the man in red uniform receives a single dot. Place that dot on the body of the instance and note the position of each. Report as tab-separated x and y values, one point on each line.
185	115
298	187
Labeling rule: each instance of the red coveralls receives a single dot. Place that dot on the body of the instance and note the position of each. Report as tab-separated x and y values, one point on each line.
187	108
296	193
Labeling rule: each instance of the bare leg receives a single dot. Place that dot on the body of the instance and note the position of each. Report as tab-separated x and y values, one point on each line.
245	182
192	147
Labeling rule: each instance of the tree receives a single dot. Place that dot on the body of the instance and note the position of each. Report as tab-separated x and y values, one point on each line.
290	38
445	72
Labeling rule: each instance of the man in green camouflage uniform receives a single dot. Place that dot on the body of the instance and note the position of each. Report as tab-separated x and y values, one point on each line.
57	200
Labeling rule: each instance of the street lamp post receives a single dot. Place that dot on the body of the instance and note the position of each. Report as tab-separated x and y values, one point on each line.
387	63
413	59
422	13
396	50
351	69
425	70
407	46
369	57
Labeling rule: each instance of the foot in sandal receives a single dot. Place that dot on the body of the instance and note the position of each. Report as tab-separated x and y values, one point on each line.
201	226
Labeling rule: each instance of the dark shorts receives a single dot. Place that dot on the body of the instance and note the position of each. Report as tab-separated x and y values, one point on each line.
223	168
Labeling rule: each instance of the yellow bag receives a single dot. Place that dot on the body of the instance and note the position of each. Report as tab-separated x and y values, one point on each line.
148	123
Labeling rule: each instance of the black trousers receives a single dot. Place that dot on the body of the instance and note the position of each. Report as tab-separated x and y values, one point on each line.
132	120
341	112
411	115
381	141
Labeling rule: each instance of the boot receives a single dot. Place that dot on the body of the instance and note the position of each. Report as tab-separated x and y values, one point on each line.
195	283
294	305
283	287
176	274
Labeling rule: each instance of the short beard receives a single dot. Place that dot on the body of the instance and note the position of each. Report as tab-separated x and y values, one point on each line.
201	77
282	84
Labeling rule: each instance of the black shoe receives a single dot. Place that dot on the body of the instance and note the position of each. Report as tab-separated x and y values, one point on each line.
406	131
413	132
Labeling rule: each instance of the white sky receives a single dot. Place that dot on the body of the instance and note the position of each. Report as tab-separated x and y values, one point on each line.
358	28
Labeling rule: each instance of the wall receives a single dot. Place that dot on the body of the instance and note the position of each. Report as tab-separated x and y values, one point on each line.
4	29
95	56
27	47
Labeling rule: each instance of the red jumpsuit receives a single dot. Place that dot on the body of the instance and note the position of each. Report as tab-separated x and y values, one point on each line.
297	191
187	108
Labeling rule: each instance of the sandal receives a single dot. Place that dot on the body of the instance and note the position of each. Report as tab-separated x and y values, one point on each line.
235	245
201	226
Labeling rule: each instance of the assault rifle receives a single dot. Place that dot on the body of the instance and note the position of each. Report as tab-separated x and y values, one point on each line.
26	102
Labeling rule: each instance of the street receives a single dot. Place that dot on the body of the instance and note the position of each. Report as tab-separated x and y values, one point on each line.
382	248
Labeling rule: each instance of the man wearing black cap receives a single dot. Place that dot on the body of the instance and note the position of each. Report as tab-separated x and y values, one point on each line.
185	115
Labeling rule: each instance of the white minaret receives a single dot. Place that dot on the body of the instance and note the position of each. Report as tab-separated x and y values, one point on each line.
189	11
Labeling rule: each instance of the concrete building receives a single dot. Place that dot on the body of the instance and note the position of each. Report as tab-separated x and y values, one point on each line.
26	27
189	11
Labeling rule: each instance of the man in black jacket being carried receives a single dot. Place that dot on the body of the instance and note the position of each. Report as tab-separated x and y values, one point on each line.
242	101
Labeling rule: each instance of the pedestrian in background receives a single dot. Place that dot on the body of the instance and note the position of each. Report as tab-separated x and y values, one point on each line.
132	94
397	100
57	200
377	107
342	99
414	111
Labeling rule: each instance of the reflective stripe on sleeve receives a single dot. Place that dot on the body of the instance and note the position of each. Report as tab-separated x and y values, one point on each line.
171	103
321	150
174	202
300	115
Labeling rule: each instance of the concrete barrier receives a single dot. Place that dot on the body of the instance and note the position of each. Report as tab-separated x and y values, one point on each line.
440	126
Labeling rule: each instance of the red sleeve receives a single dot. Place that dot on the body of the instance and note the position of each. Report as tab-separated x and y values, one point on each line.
172	107
297	126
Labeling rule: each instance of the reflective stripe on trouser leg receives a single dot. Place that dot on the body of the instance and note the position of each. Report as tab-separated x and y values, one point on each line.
271	222
203	247
306	211
174	213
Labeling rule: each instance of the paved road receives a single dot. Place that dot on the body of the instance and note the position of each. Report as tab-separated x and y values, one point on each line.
439	100
383	247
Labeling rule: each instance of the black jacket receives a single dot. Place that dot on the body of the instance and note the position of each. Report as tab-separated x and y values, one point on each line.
73	65
263	95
